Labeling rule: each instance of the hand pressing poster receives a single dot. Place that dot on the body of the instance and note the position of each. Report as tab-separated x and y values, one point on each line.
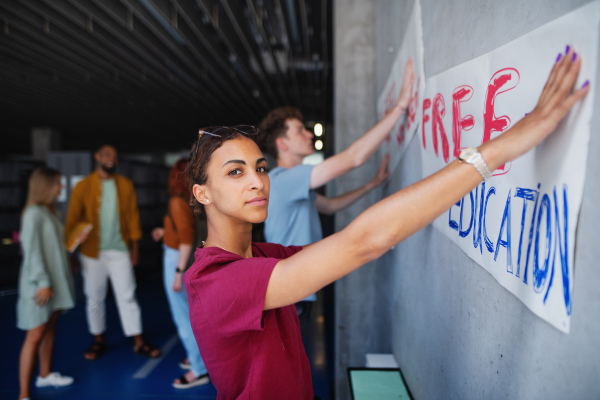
519	225
412	47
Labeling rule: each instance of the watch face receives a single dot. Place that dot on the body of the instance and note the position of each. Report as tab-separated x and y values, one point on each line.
466	153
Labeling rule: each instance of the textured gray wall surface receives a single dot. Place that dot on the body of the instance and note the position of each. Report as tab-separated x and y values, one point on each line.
355	91
455	332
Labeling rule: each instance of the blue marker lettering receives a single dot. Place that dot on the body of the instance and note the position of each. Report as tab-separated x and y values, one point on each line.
505	243
452	223
563	246
478	221
530	235
461	232
540	274
526	195
488	242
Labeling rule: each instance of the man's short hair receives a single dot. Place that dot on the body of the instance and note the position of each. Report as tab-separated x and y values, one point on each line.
273	126
103	145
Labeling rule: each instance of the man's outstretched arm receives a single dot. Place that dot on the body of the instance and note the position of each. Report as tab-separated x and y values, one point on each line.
364	147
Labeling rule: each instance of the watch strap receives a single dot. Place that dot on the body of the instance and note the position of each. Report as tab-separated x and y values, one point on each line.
473	157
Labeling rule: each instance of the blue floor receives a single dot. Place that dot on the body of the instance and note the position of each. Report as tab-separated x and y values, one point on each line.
122	374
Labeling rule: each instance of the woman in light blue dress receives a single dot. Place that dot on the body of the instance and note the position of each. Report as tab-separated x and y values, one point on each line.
45	282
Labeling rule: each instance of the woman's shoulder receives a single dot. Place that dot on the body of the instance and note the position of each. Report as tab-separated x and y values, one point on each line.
267	246
35	211
180	207
86	183
178	201
275	250
284	174
34	217
213	257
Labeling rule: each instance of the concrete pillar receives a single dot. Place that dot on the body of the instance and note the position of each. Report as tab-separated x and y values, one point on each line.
355	112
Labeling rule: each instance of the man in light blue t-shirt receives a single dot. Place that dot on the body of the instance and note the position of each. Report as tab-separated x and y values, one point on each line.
294	205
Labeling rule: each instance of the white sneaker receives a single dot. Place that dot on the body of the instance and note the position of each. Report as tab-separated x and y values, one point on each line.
54	379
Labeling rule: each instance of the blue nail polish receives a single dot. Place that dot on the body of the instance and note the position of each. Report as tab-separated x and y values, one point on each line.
567	50
585	84
574	57
559	57
526	114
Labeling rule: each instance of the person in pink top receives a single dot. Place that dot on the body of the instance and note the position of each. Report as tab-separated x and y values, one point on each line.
242	294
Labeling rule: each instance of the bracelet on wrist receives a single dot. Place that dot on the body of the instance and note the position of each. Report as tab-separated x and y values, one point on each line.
179	270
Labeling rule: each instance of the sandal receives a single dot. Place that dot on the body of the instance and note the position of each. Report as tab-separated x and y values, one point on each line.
185	384
95	350
185	364
148	350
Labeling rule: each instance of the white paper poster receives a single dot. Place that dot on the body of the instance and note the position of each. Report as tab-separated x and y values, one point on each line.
520	225
412	46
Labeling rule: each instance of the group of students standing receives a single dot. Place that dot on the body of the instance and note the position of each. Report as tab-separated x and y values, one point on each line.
234	308
105	201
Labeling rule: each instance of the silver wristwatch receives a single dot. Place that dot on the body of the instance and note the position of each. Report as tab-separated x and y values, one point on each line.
472	156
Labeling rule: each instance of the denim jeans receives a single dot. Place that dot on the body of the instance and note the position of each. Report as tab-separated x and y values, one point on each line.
180	311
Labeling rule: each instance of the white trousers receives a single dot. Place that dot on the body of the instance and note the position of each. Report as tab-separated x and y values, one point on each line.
116	266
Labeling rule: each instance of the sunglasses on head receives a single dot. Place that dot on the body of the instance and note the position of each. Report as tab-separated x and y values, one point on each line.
226	131
222	132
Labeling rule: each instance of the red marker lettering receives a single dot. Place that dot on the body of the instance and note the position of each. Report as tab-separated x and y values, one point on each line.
502	81
400	136
437	113
412	110
426	105
460	95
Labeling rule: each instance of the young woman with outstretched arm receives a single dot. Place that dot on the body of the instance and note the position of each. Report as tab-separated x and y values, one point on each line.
242	294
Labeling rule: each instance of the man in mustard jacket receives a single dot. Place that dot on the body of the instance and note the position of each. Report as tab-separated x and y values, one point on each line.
107	200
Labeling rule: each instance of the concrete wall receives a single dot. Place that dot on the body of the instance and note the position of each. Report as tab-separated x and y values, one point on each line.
456	333
354	101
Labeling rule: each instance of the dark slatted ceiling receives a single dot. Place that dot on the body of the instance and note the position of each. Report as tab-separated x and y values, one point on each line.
146	74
